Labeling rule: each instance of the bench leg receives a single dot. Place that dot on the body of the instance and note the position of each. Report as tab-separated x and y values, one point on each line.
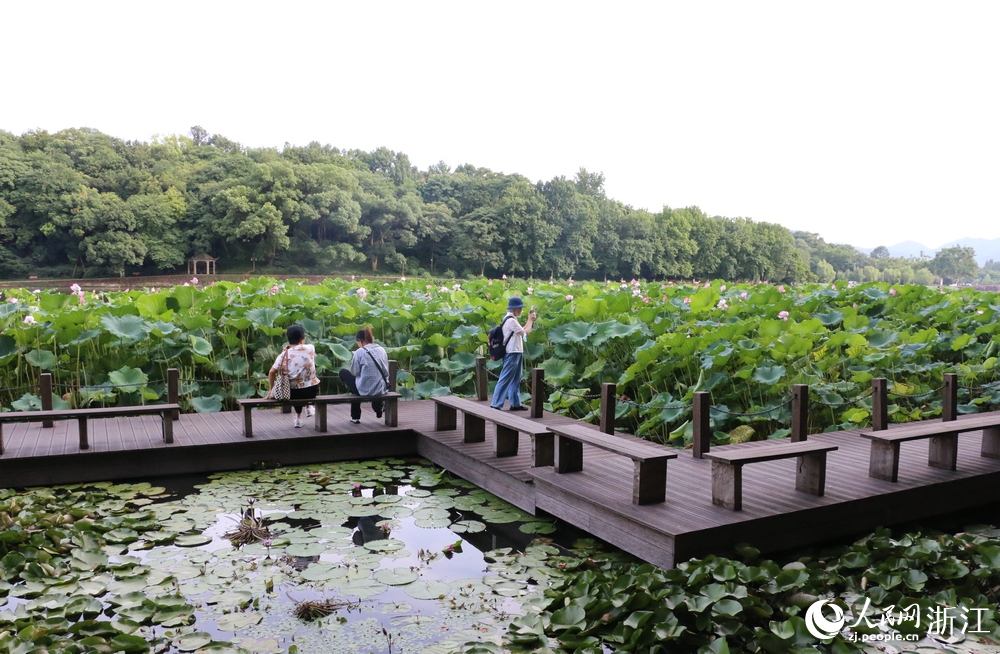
319	419
1	438
727	485
542	453
944	451
248	422
505	443
991	443
83	433
474	429
883	462
649	481
168	427
391	412
810	475
568	455
445	418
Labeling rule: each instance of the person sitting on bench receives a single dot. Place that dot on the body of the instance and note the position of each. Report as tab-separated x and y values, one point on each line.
300	361
369	373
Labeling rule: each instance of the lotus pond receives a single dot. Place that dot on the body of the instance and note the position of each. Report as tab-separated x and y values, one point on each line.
375	556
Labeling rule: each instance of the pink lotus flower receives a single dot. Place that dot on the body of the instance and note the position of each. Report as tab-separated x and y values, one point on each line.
29	319
504	276
743	295
530	290
274	289
708	284
456	287
855	305
187	283
489	295
490	283
980	312
82	299
571	283
781	288
402	279
722	304
443	289
194	280
636	292
75	288
722	288
569	297
13	300
362	292
892	291
645	300
687	300
783	315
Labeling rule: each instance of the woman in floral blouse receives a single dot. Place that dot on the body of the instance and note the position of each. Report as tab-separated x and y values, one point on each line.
300	361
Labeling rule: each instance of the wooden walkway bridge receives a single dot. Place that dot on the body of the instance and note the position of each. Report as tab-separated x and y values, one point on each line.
597	499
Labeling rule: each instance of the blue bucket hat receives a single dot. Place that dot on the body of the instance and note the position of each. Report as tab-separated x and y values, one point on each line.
515	303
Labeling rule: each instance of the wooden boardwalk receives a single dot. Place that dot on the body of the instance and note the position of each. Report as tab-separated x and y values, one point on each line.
598	499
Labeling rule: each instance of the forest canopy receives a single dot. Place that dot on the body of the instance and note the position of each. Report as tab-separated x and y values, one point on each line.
82	203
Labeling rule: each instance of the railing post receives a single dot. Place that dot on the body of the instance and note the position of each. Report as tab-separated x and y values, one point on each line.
537	392
949	405
173	390
701	442
45	390
481	379
880	404
800	412
608	395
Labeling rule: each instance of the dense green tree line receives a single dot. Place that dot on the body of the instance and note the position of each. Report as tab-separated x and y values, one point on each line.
82	203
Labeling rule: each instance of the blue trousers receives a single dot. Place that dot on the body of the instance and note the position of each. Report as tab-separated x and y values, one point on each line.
509	385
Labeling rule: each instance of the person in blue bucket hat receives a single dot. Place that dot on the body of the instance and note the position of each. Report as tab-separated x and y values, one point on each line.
509	385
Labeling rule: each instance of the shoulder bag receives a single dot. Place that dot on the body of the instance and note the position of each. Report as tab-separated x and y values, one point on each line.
282	389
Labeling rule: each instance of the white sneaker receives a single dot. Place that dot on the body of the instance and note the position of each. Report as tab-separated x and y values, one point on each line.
356	421
297	422
309	411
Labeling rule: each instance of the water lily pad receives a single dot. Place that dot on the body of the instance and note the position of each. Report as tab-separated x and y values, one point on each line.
387	545
192	540
192	642
396	576
426	590
467	527
323	572
538	528
238	621
305	549
363	588
433	523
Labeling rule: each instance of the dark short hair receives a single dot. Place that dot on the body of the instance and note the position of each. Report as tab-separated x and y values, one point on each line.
296	334
365	336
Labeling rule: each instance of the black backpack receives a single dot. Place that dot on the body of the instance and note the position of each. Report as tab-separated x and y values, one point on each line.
495	341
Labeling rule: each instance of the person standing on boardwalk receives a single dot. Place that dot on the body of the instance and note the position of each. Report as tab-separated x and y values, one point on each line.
299	360
369	373
509	385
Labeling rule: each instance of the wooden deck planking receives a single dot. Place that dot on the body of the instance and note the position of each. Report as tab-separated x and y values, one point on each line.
597	499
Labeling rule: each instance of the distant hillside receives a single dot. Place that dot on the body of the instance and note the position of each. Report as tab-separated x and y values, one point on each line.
986	249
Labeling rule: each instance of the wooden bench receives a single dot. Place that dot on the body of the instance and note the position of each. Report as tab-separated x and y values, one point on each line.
390	407
727	468
943	447
508	425
166	412
649	476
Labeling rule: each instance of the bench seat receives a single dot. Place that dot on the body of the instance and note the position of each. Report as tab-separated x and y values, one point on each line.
508	425
320	402
727	468
649	476
166	411
943	448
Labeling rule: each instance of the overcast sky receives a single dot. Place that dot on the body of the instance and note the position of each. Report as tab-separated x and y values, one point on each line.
868	122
